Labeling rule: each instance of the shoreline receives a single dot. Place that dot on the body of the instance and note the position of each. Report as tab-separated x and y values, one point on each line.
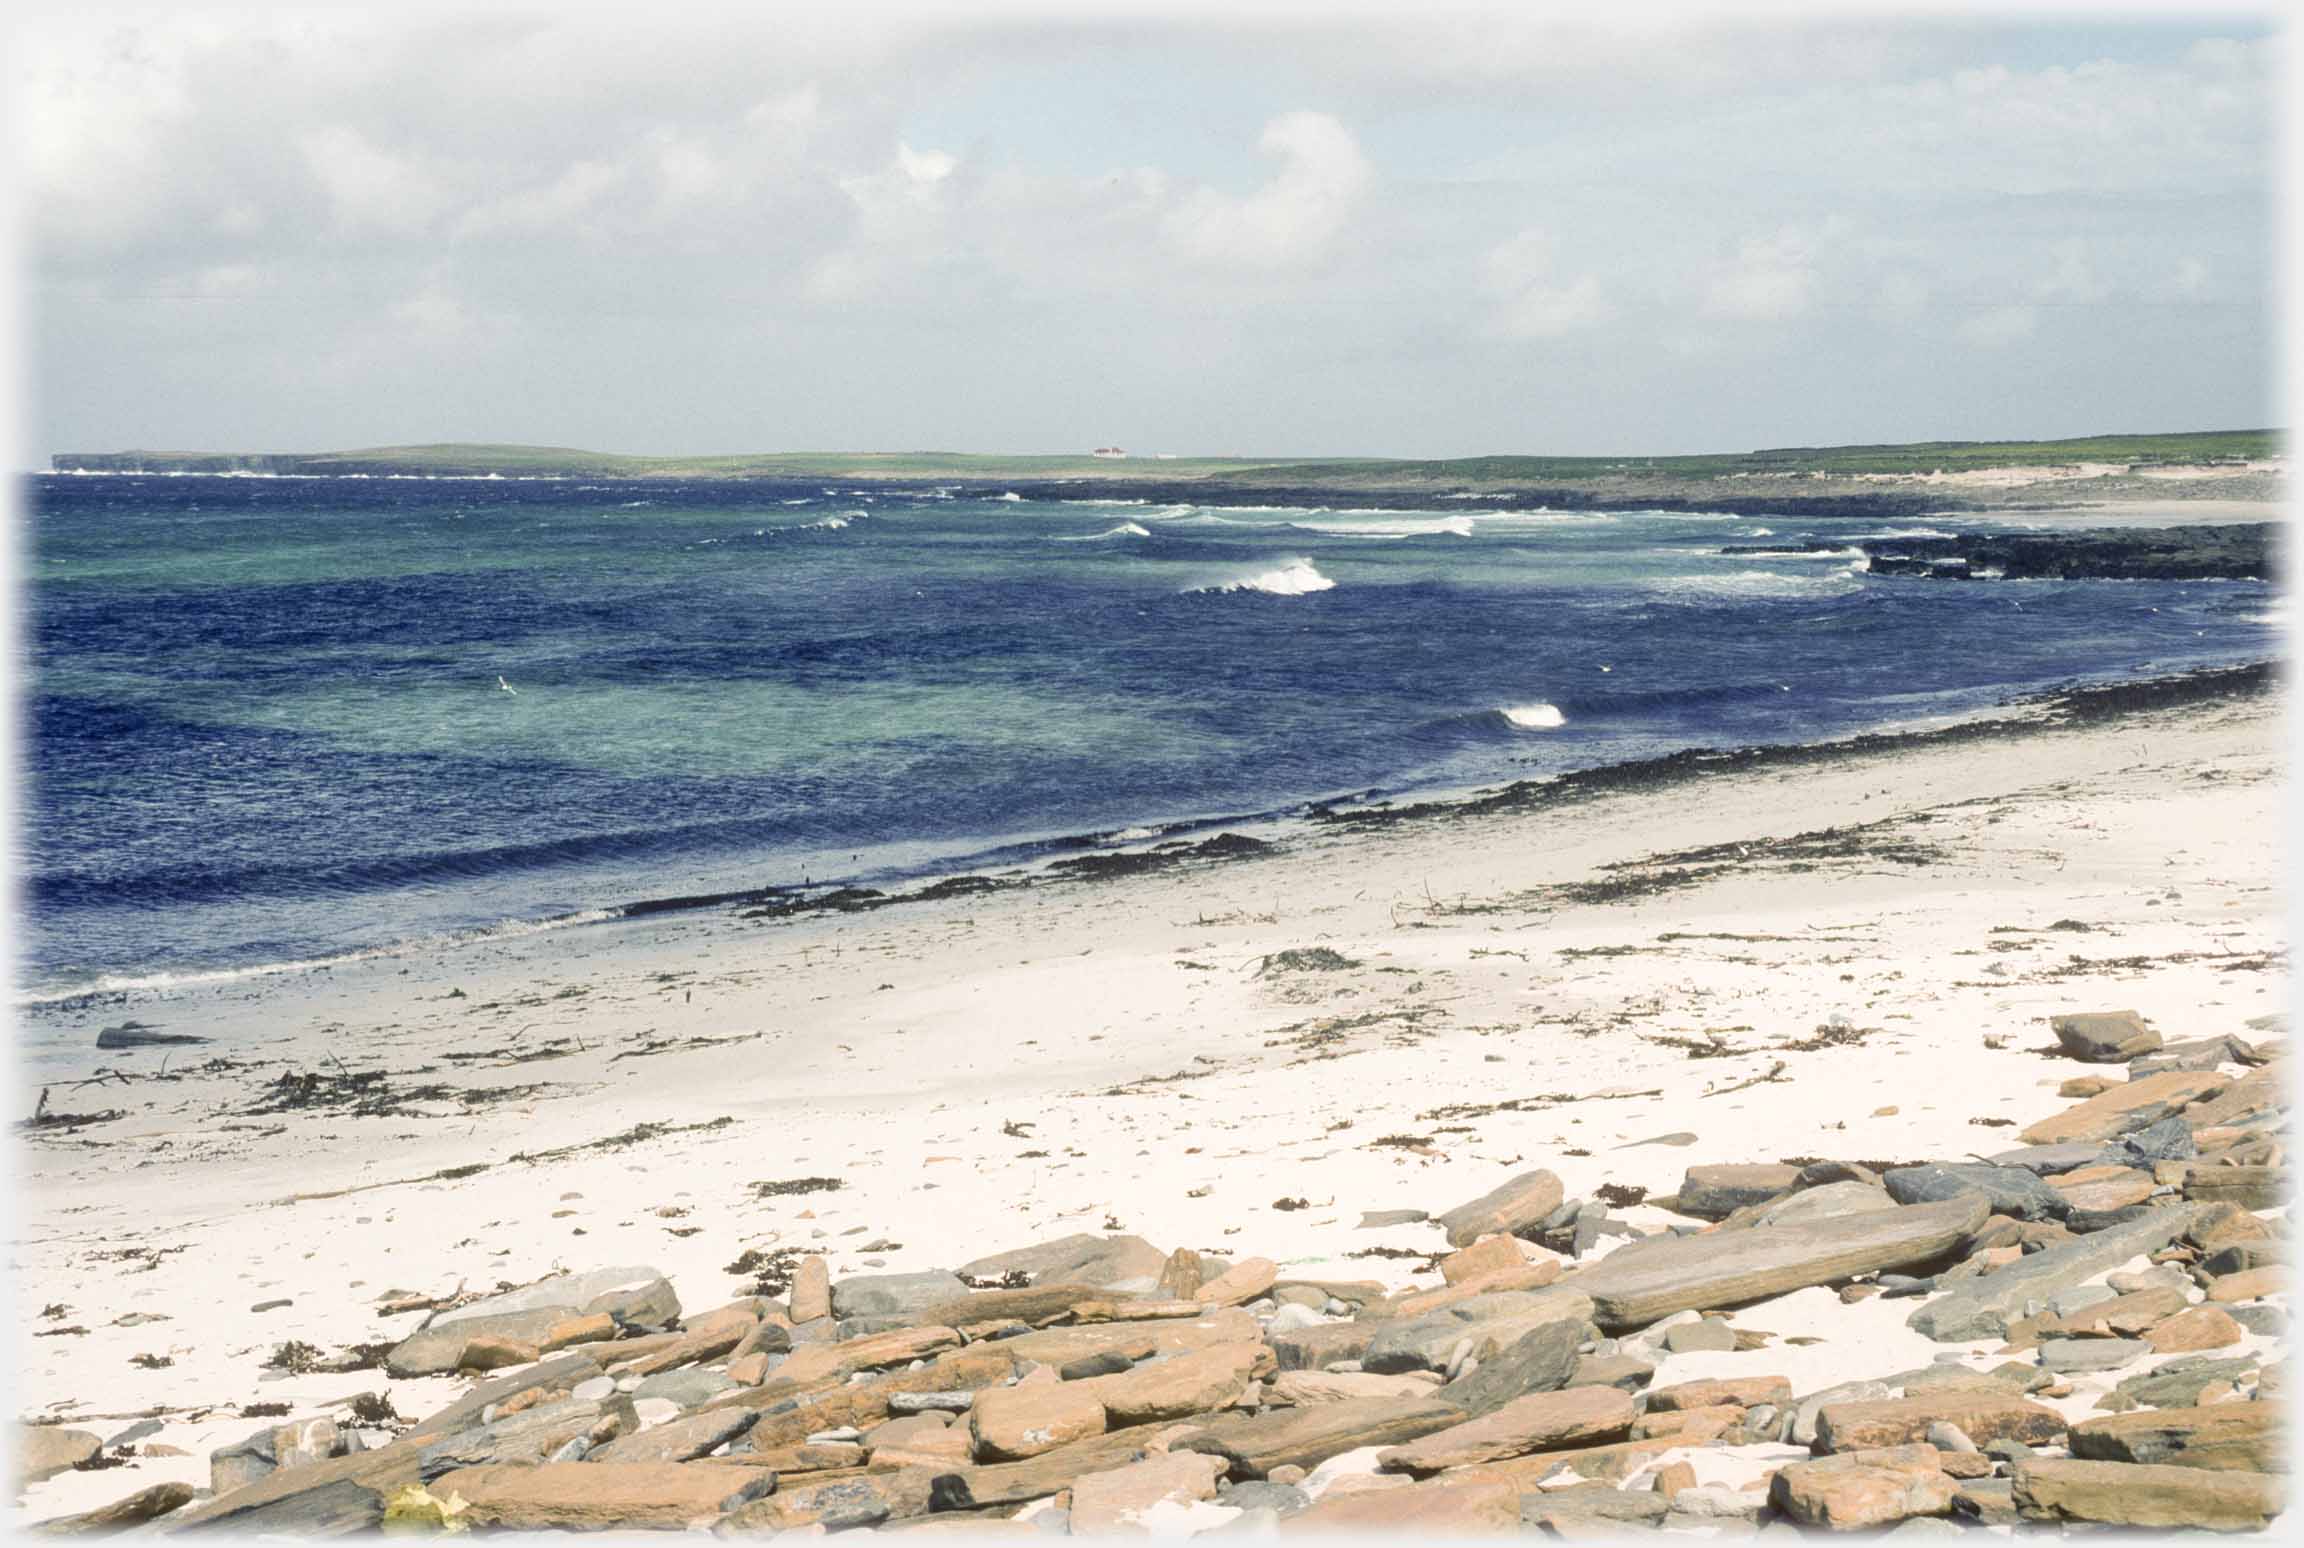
1135	847
406	1125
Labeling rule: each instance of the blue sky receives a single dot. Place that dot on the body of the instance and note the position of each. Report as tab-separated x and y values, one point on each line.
1255	232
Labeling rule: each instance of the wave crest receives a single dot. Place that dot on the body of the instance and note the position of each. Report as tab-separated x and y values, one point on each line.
1534	717
1294	578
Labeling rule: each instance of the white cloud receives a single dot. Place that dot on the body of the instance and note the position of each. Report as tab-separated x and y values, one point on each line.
368	186
1532	302
1770	278
2072	278
1292	217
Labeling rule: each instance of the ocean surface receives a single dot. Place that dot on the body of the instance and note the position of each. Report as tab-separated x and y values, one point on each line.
272	720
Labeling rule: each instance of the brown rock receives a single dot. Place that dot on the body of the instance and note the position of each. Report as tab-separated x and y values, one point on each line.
2127	1494
2121	1317
2223	1225
1442	1510
2104	1037
811	1295
1982	1416
1511	1206
1137	1340
1182	1276
1116	1501
1672	1477
1542	1421
1013	1483
1748	1391
1862	1489
2104	1187
2080	1087
1242	1282
2258	1091
598	1327
2131	1105
1689	1426
1009	1424
822	1457
44	1450
2247	1285
2202	1327
1489	1255
834	1504
1200	1381
1306	1437
2228	1437
1527	1276
1306	1387
495	1354
1655	1277
589	1495
2250	1187
1715	1192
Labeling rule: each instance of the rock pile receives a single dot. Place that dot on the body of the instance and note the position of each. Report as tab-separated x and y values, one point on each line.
2115	1283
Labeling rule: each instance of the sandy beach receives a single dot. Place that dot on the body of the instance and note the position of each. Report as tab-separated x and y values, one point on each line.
1133	1056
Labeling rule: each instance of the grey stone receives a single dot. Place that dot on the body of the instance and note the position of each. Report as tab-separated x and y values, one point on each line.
560	1371
2104	1037
879	1295
2007	1449
1829	1202
1491	1321
2049	1160
930	1402
635	1295
1805	1411
2011	1191
1377	1219
2081	1297
2069	1356
1541	1360
684	1387
2168	1140
2090	1222
1286	1499
436	1349
1711	1334
2179	1382
682	1440
1946	1436
1715	1192
2260	1317
527	1437
1106	1262
1982	1307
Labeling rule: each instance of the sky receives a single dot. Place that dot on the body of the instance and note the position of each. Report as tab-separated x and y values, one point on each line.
1183	229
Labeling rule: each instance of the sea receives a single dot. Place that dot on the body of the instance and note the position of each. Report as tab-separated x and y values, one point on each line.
275	721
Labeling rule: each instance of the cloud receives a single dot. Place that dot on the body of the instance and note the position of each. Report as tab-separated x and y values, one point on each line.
368	186
1999	326
1769	278
1531	303
1291	218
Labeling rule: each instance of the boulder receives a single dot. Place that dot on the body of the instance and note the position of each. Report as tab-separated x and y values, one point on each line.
678	1440
1542	1421
133	1510
1862	1490
1485	1324
633	1296
1511	1207
884	1295
1655	1277
2129	1494
811	1295
2010	1191
2250	1187
2230	1437
1543	1359
2197	1328
1715	1192
1009	1424
2104	1037
44	1450
1311	1349
1195	1382
1243	1282
1103	1261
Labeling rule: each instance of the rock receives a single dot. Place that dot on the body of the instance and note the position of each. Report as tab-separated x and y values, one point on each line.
1103	1261
559	1373
1653	1278
1013	1483
1983	1307
2205	1053
1715	1192
44	1450
130	1034
2081	1087
1628	1372
1709	1334
342	1494
1804	1414
1116	1501
1543	1421
2070	1356
1950	1438
1009	1424
1436	1511
1745	1391
1982	1416
1543	1359
882	1295
2104	1037
1863	1489
2232	1437
488	1353
438	1348
1510	1207
834	1505
529	1436
2168	1140
2102	1189
2011	1191
2250	1187
1482	1326
133	1510
811	1294
2201	1327
2123	1316
687	1388
2179	1383
2131	1105
2270	1321
2247	1285
1829	1202
1200	1381
2050	1160
2258	1091
1306	1387
1376	1219
633	1296
1689	1426
1182	1275
2126	1494
1241	1283
680	1440
1312	1349
1254	1444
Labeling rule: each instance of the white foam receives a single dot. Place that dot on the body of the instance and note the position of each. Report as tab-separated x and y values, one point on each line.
1535	717
1294	578
1453	526
1011	497
1126	529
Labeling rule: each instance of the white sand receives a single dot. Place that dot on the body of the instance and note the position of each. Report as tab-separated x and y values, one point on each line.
889	1050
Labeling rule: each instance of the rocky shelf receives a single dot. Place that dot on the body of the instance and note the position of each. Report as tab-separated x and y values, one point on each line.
2239	551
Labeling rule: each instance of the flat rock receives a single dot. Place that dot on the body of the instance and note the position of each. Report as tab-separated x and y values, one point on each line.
632	1295
680	1440
1511	1206
133	1510
2179	1383
1744	1391
1311	1349
2011	1191
44	1450
1542	1421
1983	1307
2074	1356
1117	1500
2104	1037
1715	1192
2128	1494
1081	1259
1862	1490
2050	1160
1197	1381
1486	1323
1254	1444
1303	1388
2231	1437
1441	1510
1543	1359
883	1295
2131	1105
1009	1424
1653	1278
1982	1416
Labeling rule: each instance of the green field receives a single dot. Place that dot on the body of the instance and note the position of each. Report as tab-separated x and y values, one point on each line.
2209	446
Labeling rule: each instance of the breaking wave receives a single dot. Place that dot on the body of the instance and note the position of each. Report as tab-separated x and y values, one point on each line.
1126	529
1294	578
1535	717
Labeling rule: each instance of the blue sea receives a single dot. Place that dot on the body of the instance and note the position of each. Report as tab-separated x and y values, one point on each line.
275	720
